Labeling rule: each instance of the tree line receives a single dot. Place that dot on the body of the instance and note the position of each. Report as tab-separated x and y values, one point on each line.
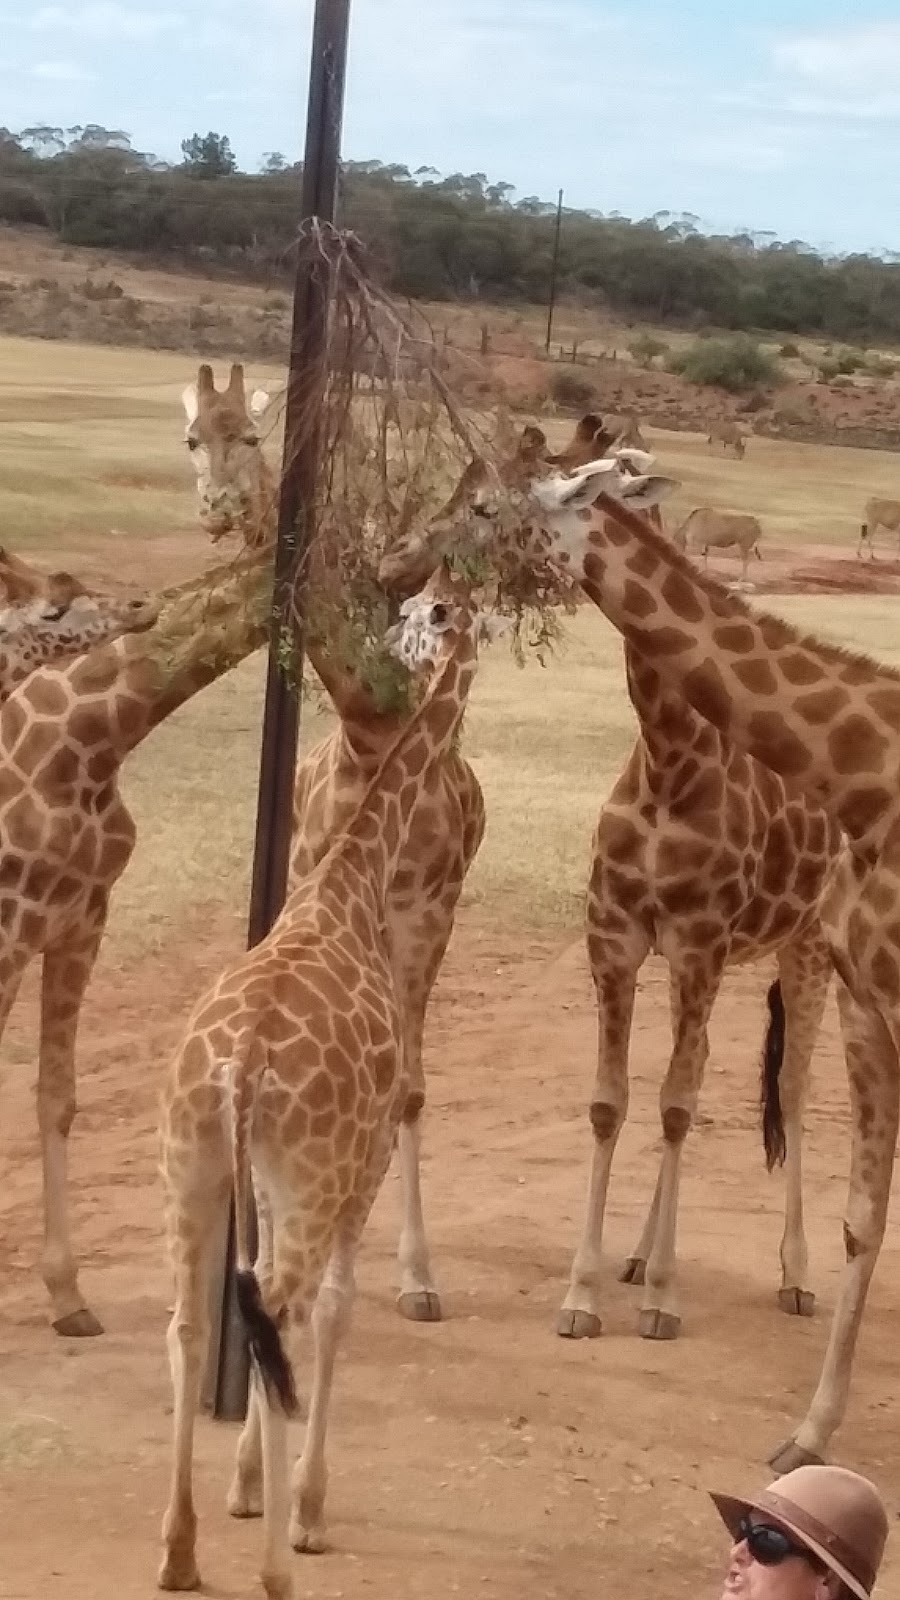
434	236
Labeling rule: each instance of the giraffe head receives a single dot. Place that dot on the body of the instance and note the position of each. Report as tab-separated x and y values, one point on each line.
432	620
233	480
44	617
484	496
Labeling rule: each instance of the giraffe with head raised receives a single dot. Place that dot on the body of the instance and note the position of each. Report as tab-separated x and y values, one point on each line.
446	829
294	1061
66	834
827	721
701	855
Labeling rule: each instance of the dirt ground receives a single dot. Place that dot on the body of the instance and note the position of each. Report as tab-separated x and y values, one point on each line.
483	1456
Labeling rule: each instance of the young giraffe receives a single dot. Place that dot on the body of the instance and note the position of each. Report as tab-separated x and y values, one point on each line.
295	1060
237	493
700	854
827	720
66	836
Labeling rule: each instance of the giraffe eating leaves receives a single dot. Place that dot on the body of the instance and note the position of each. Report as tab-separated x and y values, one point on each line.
294	1061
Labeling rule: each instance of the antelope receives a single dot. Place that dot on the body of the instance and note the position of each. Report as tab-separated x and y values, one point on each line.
720	530
728	433
878	514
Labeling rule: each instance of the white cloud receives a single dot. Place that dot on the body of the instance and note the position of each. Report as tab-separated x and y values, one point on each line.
60	72
849	59
106	20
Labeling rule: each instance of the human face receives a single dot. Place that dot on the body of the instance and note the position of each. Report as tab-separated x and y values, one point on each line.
794	1578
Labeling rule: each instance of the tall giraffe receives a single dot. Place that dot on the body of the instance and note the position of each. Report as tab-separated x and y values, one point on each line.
298	1051
701	854
66	835
237	493
827	720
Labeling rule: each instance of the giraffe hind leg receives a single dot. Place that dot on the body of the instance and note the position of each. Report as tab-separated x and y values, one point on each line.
873	1070
804	971
195	1218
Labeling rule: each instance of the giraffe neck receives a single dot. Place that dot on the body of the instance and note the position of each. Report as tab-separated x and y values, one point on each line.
671	730
827	721
366	729
375	838
207	626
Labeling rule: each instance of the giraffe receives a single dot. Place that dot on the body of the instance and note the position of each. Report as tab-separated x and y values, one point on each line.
827	721
66	836
47	618
702	855
447	826
294	1060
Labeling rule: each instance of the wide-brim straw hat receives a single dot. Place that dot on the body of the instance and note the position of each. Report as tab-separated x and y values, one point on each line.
838	1515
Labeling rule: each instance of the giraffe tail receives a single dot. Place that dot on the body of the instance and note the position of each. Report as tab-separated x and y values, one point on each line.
267	1352
773	1133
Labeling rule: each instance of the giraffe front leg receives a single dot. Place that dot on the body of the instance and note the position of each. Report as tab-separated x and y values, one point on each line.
66	973
873	1068
693	989
615	967
804	969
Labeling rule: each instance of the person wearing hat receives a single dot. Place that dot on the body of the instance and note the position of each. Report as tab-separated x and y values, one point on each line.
816	1534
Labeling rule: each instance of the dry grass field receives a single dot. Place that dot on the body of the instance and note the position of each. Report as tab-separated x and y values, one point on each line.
483	1456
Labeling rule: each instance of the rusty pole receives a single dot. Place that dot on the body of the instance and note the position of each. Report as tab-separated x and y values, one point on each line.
228	1368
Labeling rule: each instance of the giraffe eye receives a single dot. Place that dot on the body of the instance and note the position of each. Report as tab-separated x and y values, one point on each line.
192	443
439	614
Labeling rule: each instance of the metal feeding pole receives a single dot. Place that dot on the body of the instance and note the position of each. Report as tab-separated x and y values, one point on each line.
553	269
228	1368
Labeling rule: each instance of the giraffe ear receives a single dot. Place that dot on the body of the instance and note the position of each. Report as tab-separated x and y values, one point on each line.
638	461
646	491
190	401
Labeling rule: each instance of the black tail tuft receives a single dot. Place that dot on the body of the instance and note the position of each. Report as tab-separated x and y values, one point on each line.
265	1344
770	1093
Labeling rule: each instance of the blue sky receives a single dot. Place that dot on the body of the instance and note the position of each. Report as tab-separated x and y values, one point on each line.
779	115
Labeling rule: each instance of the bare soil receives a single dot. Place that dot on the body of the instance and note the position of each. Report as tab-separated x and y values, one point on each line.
483	1456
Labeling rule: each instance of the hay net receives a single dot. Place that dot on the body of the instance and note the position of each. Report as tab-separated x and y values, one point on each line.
396	448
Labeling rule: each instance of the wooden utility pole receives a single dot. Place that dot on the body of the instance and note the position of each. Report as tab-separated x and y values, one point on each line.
228	1369
554	267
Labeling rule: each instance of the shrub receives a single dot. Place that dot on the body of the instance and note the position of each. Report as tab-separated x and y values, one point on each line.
881	366
850	361
572	391
645	347
829	368
790	351
734	364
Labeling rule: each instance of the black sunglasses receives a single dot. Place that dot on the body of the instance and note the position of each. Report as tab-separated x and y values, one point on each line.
770	1545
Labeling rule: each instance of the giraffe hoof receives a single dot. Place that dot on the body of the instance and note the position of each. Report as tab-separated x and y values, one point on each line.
78	1325
421	1305
790	1455
797	1302
578	1325
308	1541
633	1270
659	1325
178	1573
244	1500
